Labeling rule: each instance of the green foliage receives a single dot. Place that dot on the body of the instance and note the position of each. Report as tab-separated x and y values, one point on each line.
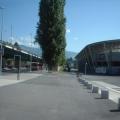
51	31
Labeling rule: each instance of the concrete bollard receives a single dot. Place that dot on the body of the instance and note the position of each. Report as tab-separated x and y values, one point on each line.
85	83
95	89
118	103
104	94
89	86
80	80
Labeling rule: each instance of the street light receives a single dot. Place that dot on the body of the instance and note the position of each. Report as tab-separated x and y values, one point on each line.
85	68
31	54
1	47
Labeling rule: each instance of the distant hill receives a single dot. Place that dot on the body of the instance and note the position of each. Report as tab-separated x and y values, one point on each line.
38	51
33	50
70	54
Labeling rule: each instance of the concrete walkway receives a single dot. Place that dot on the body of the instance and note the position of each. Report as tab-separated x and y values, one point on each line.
11	78
54	97
105	82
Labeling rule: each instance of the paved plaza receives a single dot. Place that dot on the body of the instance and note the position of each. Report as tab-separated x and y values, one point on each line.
54	96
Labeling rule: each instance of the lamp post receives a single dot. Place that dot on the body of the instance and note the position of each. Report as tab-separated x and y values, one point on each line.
31	54
1	47
85	68
11	33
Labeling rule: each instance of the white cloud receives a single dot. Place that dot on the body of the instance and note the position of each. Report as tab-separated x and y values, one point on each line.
14	39
26	40
68	30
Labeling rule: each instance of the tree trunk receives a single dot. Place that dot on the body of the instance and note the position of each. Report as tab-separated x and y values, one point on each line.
55	68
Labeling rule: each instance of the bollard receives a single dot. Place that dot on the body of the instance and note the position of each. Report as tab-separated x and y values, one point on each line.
95	89
80	80
118	103
104	94
85	83
89	86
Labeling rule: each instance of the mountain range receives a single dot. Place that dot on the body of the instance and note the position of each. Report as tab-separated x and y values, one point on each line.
38	51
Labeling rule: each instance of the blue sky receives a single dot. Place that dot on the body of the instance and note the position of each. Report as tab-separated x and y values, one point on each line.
88	21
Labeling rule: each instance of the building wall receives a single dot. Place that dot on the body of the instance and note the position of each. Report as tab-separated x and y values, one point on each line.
103	57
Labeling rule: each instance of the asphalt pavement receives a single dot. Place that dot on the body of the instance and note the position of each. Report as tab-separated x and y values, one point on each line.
54	96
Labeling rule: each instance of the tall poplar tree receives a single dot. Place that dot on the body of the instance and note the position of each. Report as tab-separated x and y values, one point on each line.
51	32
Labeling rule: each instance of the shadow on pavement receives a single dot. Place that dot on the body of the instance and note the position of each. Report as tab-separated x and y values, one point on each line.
99	98
115	110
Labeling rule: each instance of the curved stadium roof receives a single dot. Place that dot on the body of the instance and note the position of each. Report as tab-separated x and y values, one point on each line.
102	46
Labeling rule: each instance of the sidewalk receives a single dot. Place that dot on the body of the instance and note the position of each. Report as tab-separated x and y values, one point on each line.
54	97
11	78
104	83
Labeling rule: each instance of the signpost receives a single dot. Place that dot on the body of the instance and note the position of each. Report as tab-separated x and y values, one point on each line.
17	59
1	8
85	68
2	51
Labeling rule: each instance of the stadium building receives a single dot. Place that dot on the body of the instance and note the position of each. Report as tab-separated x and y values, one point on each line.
100	57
